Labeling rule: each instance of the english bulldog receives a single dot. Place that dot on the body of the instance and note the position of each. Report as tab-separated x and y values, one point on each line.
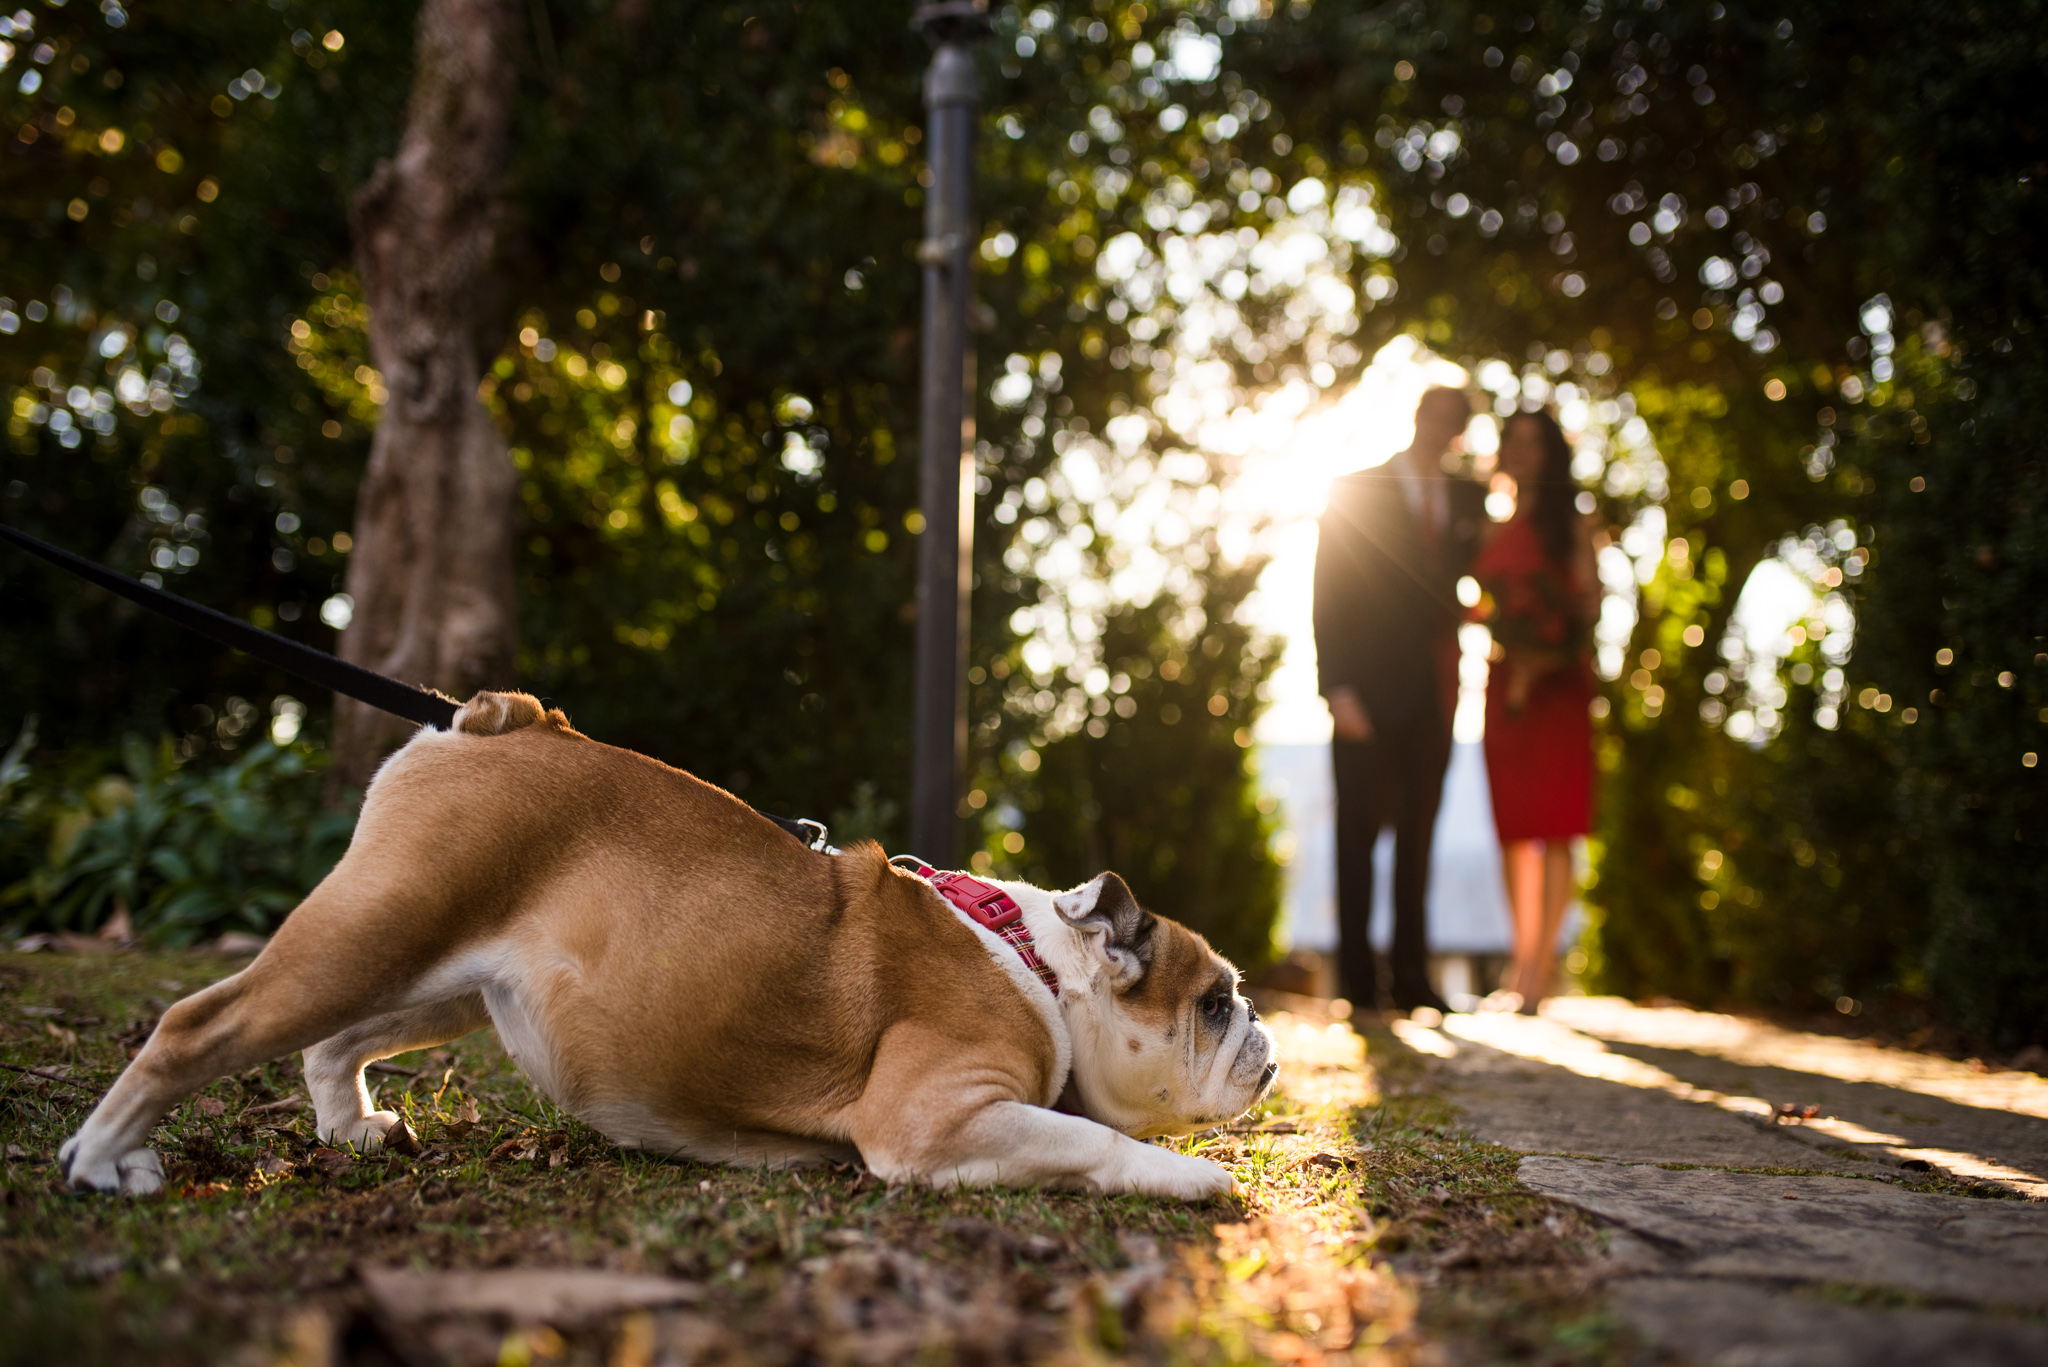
683	975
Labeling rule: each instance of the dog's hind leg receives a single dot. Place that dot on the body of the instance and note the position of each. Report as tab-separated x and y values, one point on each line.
350	953
342	1105
238	1022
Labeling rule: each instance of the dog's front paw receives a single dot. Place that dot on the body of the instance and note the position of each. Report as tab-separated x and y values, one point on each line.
1162	1172
1201	1180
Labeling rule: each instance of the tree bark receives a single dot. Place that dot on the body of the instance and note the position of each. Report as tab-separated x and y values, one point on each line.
431	571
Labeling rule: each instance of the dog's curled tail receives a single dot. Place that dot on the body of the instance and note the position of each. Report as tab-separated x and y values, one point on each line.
494	714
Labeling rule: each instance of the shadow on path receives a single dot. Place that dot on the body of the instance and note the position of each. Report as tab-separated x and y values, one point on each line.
1734	1232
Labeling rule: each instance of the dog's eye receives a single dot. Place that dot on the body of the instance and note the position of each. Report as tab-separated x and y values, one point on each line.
1215	1008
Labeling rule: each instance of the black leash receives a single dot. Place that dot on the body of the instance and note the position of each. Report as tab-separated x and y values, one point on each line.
314	666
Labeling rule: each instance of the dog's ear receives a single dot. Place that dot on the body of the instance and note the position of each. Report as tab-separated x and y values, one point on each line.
1118	928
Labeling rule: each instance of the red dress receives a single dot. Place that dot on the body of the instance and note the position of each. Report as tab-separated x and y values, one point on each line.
1539	758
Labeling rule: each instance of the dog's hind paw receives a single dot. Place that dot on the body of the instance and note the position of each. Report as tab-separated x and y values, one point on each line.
142	1173
136	1173
377	1130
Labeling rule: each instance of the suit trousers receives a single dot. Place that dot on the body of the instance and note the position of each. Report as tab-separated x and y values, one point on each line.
1395	779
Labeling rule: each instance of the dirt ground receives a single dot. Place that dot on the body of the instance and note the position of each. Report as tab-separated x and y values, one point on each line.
1373	1227
1603	1184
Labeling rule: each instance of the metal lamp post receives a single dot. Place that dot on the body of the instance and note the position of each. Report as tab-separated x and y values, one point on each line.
946	458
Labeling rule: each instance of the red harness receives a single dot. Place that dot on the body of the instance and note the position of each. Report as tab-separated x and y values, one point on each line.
991	908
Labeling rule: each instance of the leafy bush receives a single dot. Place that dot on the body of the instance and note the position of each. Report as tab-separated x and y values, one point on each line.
186	851
1154	785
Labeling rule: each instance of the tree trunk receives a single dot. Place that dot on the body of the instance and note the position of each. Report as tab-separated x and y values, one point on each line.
431	572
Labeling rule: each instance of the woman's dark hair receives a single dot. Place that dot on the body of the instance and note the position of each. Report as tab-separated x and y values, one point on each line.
1556	496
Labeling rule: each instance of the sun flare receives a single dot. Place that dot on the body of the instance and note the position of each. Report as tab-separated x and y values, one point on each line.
1293	442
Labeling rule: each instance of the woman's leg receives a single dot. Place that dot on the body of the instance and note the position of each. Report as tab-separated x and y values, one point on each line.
1521	863
1556	893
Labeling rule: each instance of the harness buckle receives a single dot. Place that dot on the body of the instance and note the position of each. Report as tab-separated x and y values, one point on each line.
990	907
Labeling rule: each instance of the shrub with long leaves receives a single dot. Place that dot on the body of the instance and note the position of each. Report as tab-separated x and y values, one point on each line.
187	852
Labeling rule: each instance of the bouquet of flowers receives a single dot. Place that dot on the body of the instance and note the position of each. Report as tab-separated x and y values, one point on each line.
1537	627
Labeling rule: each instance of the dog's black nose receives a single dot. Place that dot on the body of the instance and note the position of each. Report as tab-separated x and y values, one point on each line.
1250	1010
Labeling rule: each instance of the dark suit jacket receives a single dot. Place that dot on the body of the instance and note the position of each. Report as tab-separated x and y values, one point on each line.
1384	602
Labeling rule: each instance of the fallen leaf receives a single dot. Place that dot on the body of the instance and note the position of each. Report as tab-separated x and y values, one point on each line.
400	1139
559	1296
211	1105
97	1266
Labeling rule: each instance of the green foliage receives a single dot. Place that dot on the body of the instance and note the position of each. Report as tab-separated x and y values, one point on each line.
706	370
186	851
1954	618
1685	211
161	226
20	847
1153	784
1696	208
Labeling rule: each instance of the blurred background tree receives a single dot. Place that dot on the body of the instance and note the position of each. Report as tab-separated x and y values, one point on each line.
705	381
430	583
1788	254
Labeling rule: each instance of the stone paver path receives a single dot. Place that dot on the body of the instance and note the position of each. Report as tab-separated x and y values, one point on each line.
1740	1235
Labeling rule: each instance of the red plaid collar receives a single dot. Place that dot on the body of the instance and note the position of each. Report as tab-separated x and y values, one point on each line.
991	908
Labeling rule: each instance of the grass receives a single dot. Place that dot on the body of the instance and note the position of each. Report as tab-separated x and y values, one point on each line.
1503	1273
1370	1224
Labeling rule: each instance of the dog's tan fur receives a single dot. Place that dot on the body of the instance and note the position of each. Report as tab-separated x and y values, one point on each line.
676	970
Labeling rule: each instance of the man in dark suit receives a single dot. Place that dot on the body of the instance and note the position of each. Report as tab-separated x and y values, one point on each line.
1394	541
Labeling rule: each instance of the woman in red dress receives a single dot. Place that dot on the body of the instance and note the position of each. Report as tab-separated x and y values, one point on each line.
1542	595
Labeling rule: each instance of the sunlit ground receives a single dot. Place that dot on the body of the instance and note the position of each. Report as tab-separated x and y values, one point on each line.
1989	1129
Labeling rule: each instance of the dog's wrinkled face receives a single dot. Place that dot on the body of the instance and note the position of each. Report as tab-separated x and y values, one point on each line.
1163	1043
